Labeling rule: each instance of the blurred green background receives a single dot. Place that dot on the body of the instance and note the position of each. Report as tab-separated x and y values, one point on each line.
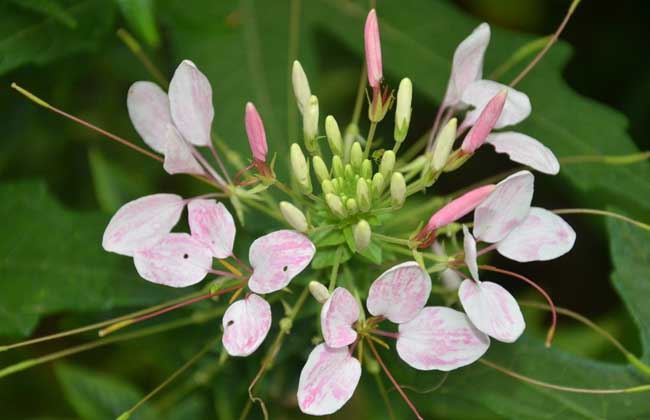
60	182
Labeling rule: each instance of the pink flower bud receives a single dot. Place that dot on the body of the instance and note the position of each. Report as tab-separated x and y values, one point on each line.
373	50
256	133
485	123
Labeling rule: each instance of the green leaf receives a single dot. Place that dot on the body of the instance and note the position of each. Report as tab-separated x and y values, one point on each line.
49	8
326	257
140	15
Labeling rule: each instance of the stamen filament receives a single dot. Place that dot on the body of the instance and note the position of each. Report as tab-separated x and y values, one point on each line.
611	214
386	333
134	46
607	159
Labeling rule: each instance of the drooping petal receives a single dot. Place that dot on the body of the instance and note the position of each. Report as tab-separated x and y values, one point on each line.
177	261
492	309
485	123
373	50
256	133
212	224
338	314
190	99
245	325
328	380
148	107
467	65
469	244
141	223
178	155
277	258
505	208
525	150
400	292
516	108
542	236
440	338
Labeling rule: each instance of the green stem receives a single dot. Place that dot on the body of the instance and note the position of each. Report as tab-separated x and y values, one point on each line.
335	269
134	46
358	102
391	239
371	136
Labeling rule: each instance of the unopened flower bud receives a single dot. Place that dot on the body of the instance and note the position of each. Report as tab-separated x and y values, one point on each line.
351	205
362	234
337	166
397	189
256	133
403	109
322	173
294	216
363	195
366	169
333	136
319	291
356	155
373	50
387	163
336	205
327	186
300	86
378	184
443	144
285	325
348	172
485	123
300	168
310	124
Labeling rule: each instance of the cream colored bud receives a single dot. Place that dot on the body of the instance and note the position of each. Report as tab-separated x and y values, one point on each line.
322	173
444	143
348	172
337	166
333	136
356	156
363	195
403	109
387	163
310	124
300	86
366	169
362	234
300	168
397	190
336	205
351	205
327	186
319	291
378	185
294	216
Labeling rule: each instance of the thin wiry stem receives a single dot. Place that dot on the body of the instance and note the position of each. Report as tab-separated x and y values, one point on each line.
636	223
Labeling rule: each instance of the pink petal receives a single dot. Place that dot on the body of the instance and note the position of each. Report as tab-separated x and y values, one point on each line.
440	338
542	236
485	123
339	312
213	225
400	292
245	325
516	108
148	107
277	258
177	261
256	133
178	155
492	310
525	150
469	245
505	208
142	223
373	50
190	99
328	380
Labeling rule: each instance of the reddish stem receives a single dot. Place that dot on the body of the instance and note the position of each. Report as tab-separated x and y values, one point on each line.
386	333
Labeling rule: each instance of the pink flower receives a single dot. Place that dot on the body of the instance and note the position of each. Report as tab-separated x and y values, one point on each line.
485	123
373	50
256	133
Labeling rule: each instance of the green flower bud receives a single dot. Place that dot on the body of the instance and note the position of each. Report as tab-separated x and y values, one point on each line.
378	184
403	109
336	205
387	163
300	168
366	169
337	166
333	136
363	195
362	234
348	172
356	155
322	173
310	125
319	291
444	142
300	86
327	186
397	190
293	216
351	205
285	325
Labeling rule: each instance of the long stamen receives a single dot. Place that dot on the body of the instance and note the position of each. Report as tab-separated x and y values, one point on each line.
134	46
217	158
386	333
636	223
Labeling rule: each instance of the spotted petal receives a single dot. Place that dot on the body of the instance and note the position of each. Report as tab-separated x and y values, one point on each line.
542	236
190	99
327	380
516	109
245	325
505	208
277	258
178	155
142	223
469	244
339	312
492	310
440	338
525	150
177	261
212	224
399	293
148	107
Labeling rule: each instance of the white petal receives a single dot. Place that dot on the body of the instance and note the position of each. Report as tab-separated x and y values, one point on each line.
148	107
177	261
212	224
525	150
245	325
277	258
142	223
190	99
469	244
505	208
400	292
516	109
467	65
178	155
492	310
328	380
339	312
440	338
542	236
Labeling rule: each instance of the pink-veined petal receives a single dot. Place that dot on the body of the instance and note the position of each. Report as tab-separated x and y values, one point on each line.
142	223
277	258
469	244
492	309
485	123
178	155
525	150
148	107
373	50
467	65
542	236
400	292
505	208
516	108
440	338
190	100
177	261
245	325
256	133
328	380
339	312
212	224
